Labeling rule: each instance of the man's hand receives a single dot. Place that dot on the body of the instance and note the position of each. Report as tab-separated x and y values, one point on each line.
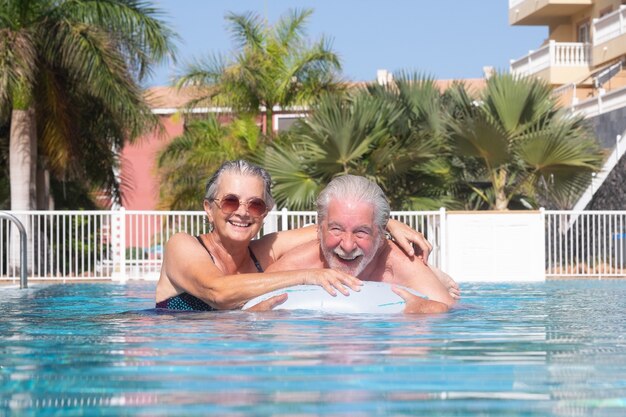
419	305
332	280
269	304
405	237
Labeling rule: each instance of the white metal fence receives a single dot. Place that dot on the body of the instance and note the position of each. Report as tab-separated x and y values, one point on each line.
124	244
585	243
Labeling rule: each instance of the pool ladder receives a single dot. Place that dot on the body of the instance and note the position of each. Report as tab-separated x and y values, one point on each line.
23	248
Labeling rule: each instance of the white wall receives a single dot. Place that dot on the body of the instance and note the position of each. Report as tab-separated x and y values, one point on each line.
494	246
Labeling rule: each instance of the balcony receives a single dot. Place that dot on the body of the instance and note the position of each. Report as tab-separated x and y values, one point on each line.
609	36
555	63
603	103
544	12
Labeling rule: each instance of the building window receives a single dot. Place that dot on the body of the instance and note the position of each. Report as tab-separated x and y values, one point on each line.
583	33
283	122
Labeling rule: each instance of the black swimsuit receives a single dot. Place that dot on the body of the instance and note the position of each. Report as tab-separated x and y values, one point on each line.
186	301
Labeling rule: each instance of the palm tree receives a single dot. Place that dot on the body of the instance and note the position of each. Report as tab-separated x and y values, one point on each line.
68	79
188	161
273	66
334	140
366	133
420	175
516	140
5	201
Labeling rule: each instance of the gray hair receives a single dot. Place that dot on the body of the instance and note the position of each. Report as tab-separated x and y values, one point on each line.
352	187
241	167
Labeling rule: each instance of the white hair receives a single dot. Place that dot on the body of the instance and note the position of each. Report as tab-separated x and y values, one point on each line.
356	188
241	167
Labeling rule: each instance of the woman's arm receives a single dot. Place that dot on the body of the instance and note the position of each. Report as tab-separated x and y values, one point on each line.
405	237
278	243
188	268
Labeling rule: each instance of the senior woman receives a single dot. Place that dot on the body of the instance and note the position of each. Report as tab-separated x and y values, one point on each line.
223	269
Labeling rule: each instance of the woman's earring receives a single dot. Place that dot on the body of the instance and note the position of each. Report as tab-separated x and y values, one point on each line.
208	224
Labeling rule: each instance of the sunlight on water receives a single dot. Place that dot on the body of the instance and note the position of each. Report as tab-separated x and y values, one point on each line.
542	349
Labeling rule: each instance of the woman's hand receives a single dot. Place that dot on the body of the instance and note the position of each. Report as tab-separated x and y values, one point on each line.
328	279
332	280
405	236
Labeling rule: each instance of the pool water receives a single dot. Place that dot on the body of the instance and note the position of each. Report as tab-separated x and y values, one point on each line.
540	349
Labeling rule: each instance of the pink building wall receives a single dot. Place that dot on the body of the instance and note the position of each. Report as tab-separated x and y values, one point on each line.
138	165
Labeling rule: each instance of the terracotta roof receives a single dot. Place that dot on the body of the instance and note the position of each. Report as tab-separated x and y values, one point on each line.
170	97
471	84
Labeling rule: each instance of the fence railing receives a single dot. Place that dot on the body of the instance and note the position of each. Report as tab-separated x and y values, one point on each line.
585	243
124	244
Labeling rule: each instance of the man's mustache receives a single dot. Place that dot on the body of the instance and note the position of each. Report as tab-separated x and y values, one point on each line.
348	255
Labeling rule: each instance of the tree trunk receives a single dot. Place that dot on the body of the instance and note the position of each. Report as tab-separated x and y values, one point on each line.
269	121
21	161
502	203
32	134
44	197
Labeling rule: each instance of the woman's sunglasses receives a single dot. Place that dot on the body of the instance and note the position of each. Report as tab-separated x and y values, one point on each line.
230	203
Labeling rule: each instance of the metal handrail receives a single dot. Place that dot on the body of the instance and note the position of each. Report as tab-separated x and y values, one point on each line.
23	248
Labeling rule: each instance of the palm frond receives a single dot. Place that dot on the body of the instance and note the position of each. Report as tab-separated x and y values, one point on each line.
477	137
294	187
290	29
247	30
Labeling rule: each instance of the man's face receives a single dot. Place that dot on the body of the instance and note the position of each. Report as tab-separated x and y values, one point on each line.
348	236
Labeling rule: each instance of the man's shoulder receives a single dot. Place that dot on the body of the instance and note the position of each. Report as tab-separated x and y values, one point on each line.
311	248
304	256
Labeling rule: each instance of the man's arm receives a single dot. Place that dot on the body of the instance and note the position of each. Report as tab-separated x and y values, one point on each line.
453	288
416	275
418	305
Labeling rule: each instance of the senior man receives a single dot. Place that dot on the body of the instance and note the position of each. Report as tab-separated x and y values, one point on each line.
352	214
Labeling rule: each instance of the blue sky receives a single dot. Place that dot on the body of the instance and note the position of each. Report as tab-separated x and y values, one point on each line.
447	39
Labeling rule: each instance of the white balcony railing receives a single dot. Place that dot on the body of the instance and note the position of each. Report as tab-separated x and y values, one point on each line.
513	3
610	26
612	100
554	54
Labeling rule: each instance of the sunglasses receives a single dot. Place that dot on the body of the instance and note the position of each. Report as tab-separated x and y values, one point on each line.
230	203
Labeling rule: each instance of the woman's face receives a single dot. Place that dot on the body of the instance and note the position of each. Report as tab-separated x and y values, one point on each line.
243	223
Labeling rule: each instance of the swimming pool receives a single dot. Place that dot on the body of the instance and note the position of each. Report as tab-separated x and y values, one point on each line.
536	349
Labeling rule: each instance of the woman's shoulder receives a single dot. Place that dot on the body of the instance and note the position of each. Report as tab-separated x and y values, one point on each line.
181	237
181	240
